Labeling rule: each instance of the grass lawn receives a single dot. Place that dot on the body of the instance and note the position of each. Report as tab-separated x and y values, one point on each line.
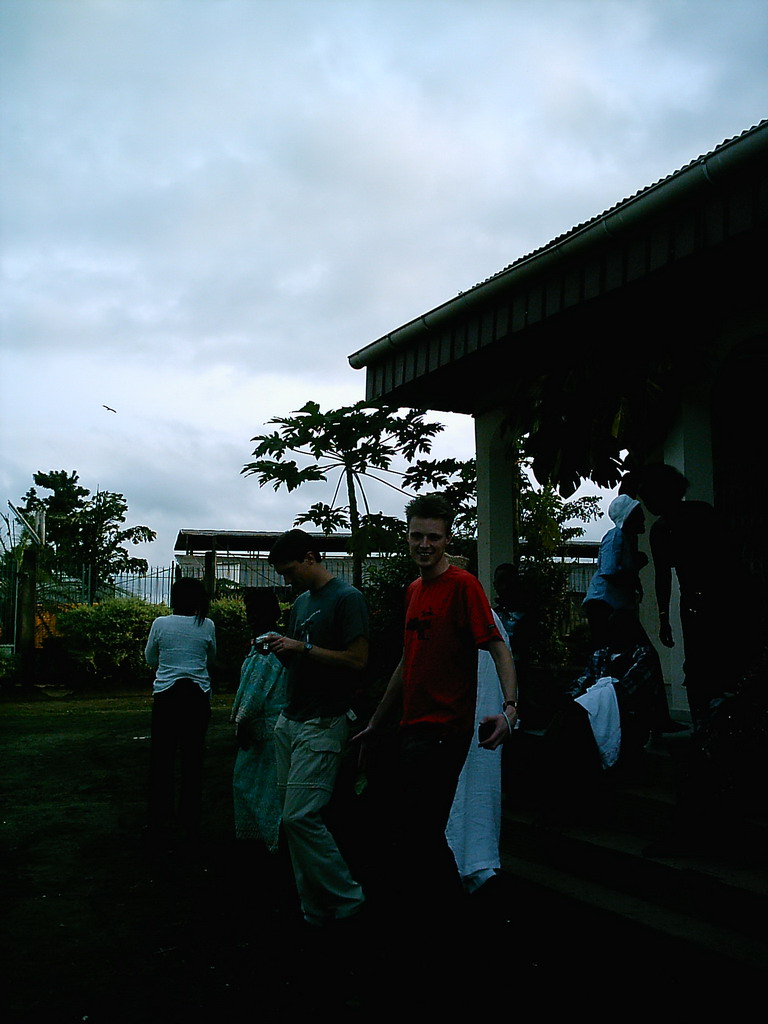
98	927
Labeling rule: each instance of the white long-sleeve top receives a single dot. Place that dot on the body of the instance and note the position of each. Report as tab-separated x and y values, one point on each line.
180	648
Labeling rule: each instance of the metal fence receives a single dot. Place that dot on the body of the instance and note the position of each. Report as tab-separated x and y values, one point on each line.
154	587
57	588
256	571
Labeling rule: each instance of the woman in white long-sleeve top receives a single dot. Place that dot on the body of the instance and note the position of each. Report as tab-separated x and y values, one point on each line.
181	648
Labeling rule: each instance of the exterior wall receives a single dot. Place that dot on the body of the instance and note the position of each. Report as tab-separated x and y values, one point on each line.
741	489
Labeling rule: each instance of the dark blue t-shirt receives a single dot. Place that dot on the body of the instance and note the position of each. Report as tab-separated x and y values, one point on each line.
331	617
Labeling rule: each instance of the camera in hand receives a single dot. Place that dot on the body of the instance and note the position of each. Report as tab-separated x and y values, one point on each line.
261	643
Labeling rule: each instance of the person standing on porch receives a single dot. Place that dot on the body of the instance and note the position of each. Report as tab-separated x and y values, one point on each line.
683	539
615	585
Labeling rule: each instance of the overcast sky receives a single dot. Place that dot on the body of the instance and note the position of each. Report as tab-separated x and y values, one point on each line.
207	205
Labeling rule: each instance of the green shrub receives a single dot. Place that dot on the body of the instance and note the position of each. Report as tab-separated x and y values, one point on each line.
233	638
9	666
101	644
384	588
546	586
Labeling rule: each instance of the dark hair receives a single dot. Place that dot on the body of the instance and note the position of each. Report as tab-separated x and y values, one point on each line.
508	568
293	546
659	478
189	597
510	587
430	506
262	608
630	483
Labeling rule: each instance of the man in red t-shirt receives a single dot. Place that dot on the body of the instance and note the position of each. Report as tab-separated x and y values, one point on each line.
447	619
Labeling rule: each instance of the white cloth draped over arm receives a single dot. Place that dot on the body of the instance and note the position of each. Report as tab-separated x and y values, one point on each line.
475	819
601	704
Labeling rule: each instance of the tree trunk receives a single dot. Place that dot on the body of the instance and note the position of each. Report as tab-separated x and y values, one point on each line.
354	523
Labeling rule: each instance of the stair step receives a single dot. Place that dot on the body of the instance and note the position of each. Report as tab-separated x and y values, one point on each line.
714	902
722	941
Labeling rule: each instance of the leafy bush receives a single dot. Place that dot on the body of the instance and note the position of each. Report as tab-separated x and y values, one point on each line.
546	587
9	666
101	644
384	588
233	637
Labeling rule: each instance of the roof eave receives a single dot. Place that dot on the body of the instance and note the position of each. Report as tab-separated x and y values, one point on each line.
702	174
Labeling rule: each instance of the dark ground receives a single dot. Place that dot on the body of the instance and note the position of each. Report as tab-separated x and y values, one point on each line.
98	926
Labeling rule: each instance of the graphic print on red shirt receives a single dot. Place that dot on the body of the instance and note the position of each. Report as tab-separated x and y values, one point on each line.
446	620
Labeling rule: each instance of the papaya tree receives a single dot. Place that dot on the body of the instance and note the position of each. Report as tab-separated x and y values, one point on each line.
348	447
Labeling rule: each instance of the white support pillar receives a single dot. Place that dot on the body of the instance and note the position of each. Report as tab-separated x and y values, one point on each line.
688	448
495	497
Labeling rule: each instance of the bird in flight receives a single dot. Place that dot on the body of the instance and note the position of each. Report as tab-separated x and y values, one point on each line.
109	408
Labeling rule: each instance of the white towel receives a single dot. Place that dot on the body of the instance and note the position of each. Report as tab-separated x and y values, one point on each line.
603	708
475	820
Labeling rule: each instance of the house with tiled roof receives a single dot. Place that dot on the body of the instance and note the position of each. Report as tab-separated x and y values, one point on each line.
640	335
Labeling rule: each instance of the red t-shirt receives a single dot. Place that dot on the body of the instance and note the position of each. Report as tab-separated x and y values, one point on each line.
446	620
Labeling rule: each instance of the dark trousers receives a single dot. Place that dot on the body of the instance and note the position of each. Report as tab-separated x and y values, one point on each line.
430	765
597	613
703	667
180	717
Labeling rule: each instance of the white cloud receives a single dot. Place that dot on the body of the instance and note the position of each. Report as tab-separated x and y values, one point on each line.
207	206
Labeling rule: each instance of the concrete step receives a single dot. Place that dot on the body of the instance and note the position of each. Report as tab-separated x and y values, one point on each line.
716	900
689	929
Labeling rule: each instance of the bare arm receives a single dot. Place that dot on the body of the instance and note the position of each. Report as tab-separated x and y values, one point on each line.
505	669
662	571
354	657
385	705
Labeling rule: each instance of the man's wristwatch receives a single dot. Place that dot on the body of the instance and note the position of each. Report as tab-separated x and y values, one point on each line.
307	648
508	704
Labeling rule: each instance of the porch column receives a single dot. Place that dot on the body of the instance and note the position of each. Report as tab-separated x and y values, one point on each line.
496	497
688	448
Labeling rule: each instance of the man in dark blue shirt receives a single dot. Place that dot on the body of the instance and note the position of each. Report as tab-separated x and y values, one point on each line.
325	649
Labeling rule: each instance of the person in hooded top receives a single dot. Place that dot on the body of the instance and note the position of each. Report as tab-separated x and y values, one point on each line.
615	585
